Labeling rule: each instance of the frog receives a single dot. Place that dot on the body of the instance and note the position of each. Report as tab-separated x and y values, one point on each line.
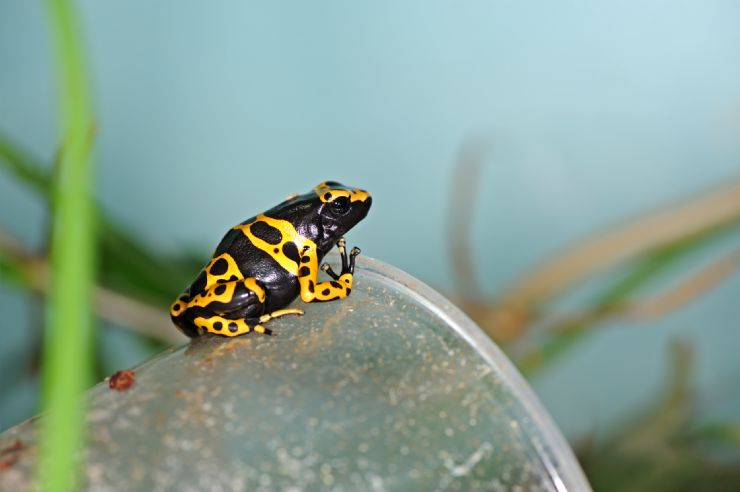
267	261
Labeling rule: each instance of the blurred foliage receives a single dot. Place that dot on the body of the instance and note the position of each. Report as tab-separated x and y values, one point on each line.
656	452
664	449
621	294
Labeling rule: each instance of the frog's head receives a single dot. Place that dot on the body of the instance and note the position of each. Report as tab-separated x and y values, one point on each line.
340	208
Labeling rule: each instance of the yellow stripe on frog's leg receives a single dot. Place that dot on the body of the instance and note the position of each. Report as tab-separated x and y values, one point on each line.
334	289
226	327
222	268
261	329
280	312
231	296
219	307
178	307
222	281
312	290
221	325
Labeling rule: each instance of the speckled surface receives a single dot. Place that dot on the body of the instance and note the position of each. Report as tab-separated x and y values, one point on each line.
391	389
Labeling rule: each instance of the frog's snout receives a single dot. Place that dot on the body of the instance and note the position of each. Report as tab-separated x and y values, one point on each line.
367	202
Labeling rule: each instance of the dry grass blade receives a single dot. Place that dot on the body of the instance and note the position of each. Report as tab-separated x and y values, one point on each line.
686	290
136	315
635	238
657	305
109	305
459	221
567	330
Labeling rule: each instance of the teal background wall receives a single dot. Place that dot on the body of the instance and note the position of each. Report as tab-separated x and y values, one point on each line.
595	112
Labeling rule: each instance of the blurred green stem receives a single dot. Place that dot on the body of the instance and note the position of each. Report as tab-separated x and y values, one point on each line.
69	325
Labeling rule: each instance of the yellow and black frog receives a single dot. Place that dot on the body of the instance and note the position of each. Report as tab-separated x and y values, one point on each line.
264	263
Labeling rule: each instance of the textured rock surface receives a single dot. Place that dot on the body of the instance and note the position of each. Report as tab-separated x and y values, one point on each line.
391	389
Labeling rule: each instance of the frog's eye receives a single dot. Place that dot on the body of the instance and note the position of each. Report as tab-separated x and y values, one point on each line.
340	205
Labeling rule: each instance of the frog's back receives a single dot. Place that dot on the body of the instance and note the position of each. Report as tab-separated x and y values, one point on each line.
237	255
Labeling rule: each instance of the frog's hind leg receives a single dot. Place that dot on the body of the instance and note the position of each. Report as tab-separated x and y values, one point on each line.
227	326
225	308
180	316
230	309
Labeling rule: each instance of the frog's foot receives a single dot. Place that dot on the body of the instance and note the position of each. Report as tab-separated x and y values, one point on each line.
280	312
348	261
256	325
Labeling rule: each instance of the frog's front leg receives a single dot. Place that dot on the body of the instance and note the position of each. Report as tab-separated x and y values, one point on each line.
338	288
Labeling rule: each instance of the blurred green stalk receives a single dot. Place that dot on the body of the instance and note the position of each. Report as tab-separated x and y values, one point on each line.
66	363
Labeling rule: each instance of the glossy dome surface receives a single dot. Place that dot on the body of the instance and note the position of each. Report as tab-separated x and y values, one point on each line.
391	389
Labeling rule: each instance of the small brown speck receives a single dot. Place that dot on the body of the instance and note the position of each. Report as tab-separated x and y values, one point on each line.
8	462
13	448
11	454
122	380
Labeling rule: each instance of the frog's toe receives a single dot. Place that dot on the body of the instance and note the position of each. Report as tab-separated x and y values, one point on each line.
352	255
263	330
326	268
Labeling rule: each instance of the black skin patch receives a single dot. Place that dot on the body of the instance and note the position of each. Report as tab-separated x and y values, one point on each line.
220	289
304	271
336	285
233	327
176	307
326	292
327	196
311	286
233	277
217	325
291	251
220	267
199	285
305	259
266	232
